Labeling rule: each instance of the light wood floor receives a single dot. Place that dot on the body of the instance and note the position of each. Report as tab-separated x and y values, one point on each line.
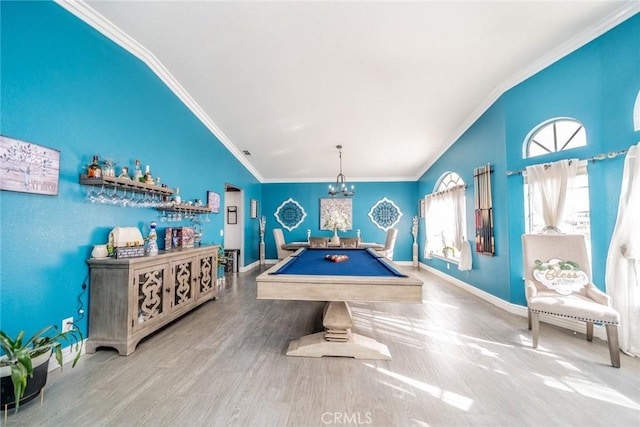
457	360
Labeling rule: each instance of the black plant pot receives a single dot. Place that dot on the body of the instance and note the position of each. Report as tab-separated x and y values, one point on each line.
34	385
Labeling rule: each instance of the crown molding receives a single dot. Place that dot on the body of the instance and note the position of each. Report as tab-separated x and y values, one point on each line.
86	13
625	12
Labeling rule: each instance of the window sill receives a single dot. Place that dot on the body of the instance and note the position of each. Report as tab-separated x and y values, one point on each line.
447	259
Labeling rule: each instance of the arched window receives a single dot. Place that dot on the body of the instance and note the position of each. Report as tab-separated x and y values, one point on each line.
443	206
555	135
448	180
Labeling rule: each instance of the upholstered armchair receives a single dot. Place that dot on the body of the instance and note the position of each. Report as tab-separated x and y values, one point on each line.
389	244
278	236
558	283
318	242
349	242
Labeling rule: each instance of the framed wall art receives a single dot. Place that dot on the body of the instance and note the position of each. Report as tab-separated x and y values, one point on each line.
342	208
232	215
213	201
28	167
254	208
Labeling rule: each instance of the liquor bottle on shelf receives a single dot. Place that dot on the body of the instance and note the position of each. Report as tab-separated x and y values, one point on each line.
176	197
137	172
124	173
109	168
148	178
94	170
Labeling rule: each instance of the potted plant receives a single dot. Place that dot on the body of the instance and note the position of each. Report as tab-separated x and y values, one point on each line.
24	364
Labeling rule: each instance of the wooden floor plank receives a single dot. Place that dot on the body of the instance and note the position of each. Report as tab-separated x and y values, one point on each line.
457	361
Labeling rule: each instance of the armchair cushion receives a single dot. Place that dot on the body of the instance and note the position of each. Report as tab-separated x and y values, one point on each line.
574	306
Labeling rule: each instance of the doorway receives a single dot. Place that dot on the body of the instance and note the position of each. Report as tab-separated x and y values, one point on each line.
233	240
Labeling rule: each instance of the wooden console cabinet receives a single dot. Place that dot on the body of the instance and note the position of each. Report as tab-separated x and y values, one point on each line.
131	298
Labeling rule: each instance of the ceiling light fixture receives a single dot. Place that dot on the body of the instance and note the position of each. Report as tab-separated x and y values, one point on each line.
341	188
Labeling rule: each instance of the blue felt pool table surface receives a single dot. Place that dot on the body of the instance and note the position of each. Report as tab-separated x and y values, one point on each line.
361	262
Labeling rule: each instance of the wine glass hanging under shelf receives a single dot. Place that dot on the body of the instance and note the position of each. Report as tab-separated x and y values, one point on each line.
185	207
155	196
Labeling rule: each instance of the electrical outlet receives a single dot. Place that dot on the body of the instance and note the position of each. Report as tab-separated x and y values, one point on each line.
221	233
67	324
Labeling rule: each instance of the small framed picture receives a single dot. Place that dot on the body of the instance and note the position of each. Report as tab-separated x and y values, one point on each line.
421	208
28	168
213	201
232	215
254	208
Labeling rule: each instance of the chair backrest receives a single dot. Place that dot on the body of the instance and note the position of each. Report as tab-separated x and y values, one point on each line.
318	242
390	243
349	242
278	236
556	261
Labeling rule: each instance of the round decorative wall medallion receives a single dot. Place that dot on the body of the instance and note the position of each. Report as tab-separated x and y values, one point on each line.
290	214
385	214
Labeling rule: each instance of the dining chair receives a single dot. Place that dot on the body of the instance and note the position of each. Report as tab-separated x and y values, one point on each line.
318	242
278	236
349	242
558	282
389	244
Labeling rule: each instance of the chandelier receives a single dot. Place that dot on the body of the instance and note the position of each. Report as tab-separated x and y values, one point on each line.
341	188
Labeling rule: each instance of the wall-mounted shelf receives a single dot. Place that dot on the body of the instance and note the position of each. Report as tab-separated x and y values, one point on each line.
185	207
124	183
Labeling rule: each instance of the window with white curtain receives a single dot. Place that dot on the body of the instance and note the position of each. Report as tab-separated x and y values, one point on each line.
577	211
445	218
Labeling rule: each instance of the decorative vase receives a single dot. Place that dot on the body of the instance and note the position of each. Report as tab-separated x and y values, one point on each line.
99	251
335	240
152	240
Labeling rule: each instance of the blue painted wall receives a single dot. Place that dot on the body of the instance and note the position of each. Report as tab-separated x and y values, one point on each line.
597	85
482	143
67	87
308	195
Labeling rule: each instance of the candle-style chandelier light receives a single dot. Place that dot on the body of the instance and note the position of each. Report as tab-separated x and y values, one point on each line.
341	188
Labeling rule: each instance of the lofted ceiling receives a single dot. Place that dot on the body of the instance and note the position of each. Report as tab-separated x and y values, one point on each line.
395	83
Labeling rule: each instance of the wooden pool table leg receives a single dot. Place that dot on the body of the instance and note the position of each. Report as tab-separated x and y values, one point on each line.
337	339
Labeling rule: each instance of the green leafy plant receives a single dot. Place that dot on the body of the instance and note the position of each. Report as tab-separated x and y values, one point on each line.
19	354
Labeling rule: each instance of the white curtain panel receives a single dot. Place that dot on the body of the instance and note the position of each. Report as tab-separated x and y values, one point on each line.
434	203
552	181
458	200
623	259
428	211
453	202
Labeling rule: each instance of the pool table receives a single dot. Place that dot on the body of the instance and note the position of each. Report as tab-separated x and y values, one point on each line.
308	275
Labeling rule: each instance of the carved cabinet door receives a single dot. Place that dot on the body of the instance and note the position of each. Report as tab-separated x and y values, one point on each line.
183	283
207	275
150	296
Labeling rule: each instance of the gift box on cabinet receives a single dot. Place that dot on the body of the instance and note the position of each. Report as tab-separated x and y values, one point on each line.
178	237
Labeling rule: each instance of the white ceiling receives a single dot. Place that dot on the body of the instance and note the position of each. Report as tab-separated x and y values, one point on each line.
394	82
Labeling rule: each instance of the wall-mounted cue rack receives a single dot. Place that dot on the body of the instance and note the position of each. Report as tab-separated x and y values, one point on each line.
485	243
